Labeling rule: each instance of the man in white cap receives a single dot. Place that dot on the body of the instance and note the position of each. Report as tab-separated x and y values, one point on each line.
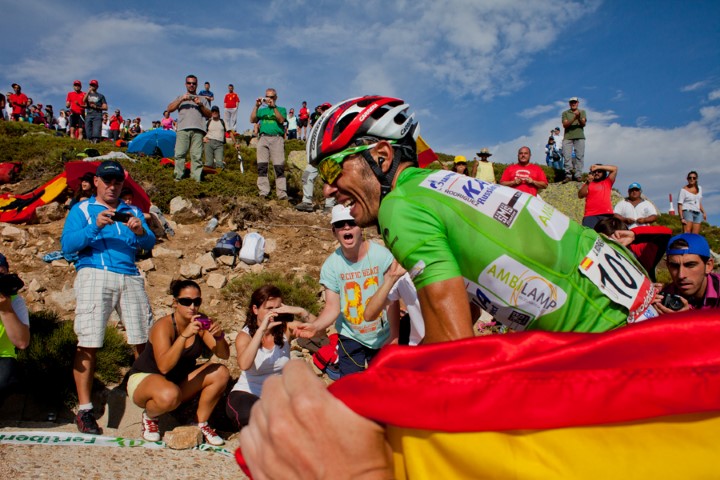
574	120
351	275
483	168
635	211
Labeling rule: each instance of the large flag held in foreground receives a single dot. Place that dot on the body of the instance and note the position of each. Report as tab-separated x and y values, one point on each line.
639	402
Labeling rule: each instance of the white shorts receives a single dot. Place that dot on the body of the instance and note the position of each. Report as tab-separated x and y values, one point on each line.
98	293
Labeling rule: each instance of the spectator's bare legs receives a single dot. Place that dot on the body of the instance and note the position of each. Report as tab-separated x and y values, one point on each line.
284	440
83	372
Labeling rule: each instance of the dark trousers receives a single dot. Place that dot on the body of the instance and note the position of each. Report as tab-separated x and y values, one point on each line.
352	355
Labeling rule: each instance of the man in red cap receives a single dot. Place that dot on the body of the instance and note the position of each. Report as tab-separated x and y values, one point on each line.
75	102
95	105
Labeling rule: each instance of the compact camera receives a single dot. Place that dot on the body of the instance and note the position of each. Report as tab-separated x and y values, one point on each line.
672	301
121	217
10	284
205	322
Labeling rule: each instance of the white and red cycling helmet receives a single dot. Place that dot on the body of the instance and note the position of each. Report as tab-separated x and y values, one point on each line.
370	116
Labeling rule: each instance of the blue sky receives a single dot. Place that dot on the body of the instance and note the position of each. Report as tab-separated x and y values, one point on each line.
477	73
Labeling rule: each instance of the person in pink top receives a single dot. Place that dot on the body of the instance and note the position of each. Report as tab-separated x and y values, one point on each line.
523	175
167	122
596	191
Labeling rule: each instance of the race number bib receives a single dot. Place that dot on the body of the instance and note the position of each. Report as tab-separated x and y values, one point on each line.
618	278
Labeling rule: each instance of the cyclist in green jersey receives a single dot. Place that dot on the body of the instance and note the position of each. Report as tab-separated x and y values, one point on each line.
507	252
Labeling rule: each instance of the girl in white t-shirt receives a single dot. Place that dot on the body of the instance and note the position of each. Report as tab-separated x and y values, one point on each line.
263	348
690	206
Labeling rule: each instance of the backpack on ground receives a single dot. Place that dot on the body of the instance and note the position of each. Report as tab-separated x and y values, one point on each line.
327	355
253	249
9	171
229	244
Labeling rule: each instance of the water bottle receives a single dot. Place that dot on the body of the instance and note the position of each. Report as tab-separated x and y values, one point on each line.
212	225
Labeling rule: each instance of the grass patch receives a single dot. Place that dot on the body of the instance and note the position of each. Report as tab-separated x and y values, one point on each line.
47	362
297	291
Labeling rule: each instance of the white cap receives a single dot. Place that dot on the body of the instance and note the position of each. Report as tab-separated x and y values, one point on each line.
340	213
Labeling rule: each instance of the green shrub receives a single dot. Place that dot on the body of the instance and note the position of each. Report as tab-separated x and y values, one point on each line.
298	291
47	363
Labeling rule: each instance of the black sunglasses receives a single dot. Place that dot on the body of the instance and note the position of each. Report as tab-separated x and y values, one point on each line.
191	83
692	178
342	223
186	301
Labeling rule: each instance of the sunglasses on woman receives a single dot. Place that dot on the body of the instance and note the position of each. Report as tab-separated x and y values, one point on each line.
187	301
341	224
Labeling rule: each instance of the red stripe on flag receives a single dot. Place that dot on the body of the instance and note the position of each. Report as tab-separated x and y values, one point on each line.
540	380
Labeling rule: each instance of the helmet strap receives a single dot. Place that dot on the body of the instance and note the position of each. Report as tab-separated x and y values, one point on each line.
385	179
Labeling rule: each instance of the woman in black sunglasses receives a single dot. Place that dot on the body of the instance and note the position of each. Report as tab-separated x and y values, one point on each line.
165	374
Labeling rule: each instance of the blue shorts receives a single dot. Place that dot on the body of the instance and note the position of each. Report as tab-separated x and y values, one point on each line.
353	355
692	216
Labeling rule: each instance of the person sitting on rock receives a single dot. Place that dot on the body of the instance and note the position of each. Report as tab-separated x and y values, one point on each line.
165	375
263	348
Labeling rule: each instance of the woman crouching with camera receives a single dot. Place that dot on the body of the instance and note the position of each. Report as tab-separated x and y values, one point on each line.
165	374
263	348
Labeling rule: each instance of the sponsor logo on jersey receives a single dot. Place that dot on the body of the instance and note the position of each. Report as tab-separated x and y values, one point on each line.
519	286
472	191
553	223
507	315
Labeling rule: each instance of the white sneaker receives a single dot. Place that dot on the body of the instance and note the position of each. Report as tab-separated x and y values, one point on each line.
150	430
211	436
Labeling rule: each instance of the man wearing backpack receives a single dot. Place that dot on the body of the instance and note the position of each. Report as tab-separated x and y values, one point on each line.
214	140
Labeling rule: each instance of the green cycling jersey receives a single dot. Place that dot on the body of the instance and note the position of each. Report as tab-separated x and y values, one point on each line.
523	261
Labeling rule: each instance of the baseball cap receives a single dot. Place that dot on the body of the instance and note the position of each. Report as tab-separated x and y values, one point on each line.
4	262
697	245
556	129
110	169
460	159
77	82
340	213
94	83
635	185
484	152
574	99
215	108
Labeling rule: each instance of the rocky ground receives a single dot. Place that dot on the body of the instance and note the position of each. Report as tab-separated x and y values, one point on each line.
296	242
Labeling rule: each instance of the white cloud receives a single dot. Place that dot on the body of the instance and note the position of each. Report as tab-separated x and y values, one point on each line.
714	95
538	110
694	86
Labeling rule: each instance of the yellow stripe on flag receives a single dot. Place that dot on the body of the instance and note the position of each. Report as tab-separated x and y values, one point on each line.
682	446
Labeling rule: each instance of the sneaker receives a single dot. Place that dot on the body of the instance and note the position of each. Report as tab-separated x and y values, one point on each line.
210	436
566	179
86	422
304	207
150	430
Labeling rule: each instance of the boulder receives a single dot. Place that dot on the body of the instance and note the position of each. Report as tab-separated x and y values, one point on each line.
297	160
191	271
228	260
270	245
60	263
183	438
146	265
207	262
216	280
167	252
36	286
64	300
257	268
15	234
186	211
50	212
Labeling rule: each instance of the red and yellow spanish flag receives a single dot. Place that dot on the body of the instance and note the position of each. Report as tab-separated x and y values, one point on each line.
425	154
638	402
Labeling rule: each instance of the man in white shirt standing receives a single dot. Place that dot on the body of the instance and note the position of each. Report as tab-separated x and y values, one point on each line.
635	211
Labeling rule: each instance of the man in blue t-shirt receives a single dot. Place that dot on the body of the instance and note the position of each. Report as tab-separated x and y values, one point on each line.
351	275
